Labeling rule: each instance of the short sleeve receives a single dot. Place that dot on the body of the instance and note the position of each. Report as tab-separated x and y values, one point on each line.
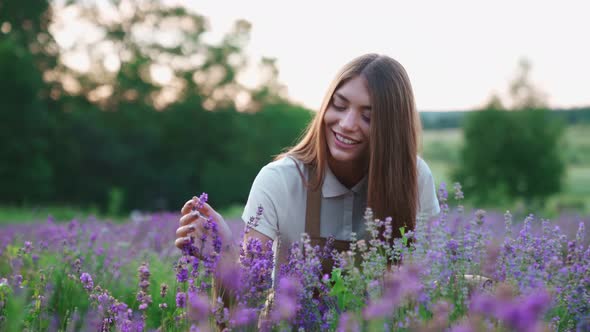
429	206
267	189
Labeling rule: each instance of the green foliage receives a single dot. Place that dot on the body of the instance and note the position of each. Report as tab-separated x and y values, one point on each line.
511	154
115	202
442	120
25	124
345	299
575	192
577	151
157	159
455	119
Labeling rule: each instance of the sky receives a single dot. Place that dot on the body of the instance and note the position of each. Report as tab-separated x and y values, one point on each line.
456	52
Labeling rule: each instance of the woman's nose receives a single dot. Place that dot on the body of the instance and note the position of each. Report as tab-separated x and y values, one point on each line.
349	120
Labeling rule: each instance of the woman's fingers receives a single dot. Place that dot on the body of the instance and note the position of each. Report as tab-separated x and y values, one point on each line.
181	242
188	206
203	208
207	210
194	216
191	217
197	243
185	230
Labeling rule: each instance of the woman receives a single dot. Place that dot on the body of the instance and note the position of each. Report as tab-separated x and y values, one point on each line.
360	150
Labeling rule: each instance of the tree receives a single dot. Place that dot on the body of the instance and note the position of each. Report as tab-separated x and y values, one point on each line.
524	94
25	123
512	154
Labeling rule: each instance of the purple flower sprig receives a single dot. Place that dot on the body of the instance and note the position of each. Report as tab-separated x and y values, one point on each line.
197	267
459	196
257	264
201	200
443	195
404	282
112	312
163	290
87	281
314	302
518	313
210	260
144	283
254	220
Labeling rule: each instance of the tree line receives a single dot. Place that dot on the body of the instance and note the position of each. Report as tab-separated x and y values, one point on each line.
455	119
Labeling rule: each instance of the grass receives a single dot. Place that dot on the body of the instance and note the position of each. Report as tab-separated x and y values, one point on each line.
577	142
26	214
19	215
441	171
578	180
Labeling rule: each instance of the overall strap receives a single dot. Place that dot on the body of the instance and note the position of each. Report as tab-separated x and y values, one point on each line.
313	208
312	217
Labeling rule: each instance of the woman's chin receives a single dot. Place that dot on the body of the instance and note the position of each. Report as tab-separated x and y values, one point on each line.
342	156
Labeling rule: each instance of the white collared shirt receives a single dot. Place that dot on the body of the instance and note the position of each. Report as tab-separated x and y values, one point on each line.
283	196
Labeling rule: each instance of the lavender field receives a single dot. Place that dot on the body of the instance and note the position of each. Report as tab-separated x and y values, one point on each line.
463	271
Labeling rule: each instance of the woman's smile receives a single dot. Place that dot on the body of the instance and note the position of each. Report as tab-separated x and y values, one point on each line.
344	142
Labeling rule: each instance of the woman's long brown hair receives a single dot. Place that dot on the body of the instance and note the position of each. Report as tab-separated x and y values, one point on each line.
395	129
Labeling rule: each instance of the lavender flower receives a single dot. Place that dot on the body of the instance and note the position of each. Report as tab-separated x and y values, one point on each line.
254	220
87	282
242	317
143	295
163	290
348	323
403	283
198	307
201	200
28	247
518	313
287	299
180	300
257	263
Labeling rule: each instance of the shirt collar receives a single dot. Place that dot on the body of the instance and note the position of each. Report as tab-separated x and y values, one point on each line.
333	188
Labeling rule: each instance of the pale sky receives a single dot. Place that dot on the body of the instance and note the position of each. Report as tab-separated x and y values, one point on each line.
457	53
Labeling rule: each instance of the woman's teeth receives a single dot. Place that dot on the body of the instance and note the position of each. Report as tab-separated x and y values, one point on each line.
345	140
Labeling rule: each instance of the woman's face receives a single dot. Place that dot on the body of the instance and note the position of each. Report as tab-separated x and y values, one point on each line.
347	122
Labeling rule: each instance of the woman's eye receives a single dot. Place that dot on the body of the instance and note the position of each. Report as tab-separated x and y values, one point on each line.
366	118
339	107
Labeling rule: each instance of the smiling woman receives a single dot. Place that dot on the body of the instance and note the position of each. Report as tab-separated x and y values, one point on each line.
359	151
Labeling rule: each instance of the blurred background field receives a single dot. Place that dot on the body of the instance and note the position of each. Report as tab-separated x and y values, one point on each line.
441	149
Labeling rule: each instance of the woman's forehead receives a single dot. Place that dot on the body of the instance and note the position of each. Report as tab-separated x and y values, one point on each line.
354	91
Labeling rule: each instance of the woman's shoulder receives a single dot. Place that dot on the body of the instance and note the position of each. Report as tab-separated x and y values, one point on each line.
427	191
284	166
424	171
287	169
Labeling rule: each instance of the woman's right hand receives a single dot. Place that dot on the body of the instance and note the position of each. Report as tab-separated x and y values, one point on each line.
192	224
